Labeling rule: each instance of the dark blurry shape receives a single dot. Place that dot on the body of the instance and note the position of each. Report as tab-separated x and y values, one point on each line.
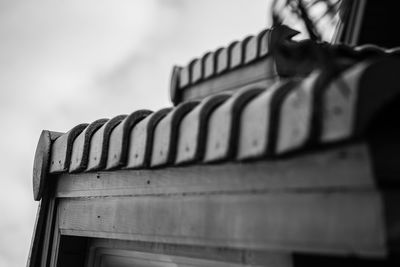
379	25
321	20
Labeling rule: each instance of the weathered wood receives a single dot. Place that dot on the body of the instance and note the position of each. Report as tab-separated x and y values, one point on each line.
223	125
193	129
347	167
80	147
41	162
61	149
295	222
255	125
166	134
98	148
119	139
296	115
141	140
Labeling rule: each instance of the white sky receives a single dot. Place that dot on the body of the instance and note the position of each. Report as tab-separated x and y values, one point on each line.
71	61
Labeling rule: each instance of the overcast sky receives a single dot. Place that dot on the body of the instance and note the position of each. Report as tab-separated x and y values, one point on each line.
67	62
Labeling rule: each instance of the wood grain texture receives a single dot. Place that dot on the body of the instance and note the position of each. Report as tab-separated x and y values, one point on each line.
312	222
346	168
119	139
61	149
141	140
98	149
223	125
193	129
166	135
80	147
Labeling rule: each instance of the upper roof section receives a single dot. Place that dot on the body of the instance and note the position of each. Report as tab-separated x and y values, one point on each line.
323	105
260	60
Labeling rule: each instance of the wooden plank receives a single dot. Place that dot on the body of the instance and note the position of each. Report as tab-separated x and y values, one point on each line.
343	167
339	222
116	257
222	128
236	256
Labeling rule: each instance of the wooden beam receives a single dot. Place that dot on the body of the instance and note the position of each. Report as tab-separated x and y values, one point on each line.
343	167
333	222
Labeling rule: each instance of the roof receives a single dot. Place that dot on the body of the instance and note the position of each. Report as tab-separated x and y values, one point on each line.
287	118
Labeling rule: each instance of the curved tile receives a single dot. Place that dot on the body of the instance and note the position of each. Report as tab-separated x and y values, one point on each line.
141	140
339	99
174	90
209	64
166	134
250	49
119	139
223	126
263	40
80	147
222	60
62	147
235	54
98	148
41	162
193	129
295	116
255	124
